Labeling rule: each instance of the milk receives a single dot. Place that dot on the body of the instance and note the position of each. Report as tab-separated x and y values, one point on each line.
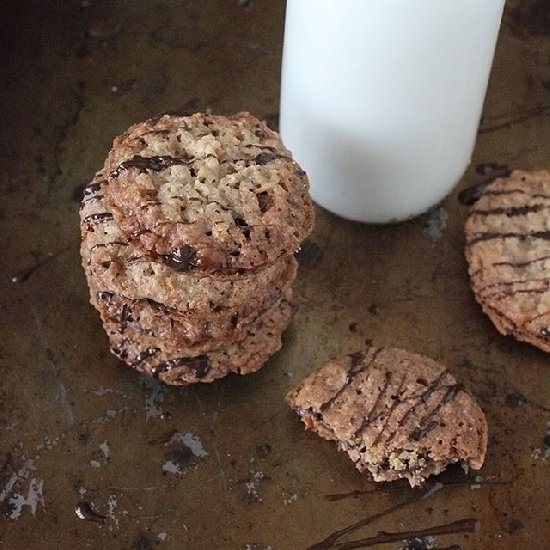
381	99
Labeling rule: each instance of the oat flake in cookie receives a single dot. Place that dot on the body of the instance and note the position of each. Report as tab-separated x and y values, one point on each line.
397	414
208	193
508	252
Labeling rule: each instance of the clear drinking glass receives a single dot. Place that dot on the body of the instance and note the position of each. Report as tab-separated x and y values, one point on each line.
381	99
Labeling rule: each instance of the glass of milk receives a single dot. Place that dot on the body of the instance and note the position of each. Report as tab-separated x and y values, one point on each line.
381	99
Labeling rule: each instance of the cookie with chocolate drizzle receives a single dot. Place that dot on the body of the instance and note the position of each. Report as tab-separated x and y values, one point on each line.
395	413
177	365
206	193
508	253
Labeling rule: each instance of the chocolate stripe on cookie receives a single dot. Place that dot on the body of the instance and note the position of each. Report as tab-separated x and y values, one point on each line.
182	259
423	429
511	211
512	283
146	164
503	295
368	417
434	386
395	404
356	361
145	354
521	264
95	219
200	366
105	245
535	318
91	191
503	192
482	237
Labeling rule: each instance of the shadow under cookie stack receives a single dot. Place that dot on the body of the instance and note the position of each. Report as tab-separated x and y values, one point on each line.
188	240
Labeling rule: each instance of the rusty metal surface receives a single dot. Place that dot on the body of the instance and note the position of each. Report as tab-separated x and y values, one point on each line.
78	427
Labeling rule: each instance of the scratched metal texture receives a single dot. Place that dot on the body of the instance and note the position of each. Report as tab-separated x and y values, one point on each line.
78	426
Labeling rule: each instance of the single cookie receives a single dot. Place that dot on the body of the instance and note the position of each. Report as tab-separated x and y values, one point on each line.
508	253
182	328
174	366
397	414
115	265
208	193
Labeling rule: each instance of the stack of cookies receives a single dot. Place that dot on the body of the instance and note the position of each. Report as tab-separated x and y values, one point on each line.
188	240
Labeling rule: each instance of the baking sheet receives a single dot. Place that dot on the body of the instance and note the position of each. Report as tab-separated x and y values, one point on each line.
228	465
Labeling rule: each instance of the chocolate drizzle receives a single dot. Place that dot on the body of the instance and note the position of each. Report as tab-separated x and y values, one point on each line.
426	424
105	296
148	164
356	358
156	305
357	366
421	399
182	259
502	192
524	263
265	201
200	365
488	236
394	405
84	511
468	525
265	157
421	431
95	219
91	191
243	226
145	354
452	392
334	540
24	274
370	416
105	245
512	211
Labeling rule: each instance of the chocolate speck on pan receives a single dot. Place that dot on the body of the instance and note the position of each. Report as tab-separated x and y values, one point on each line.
263	450
514	400
373	309
84	511
24	274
